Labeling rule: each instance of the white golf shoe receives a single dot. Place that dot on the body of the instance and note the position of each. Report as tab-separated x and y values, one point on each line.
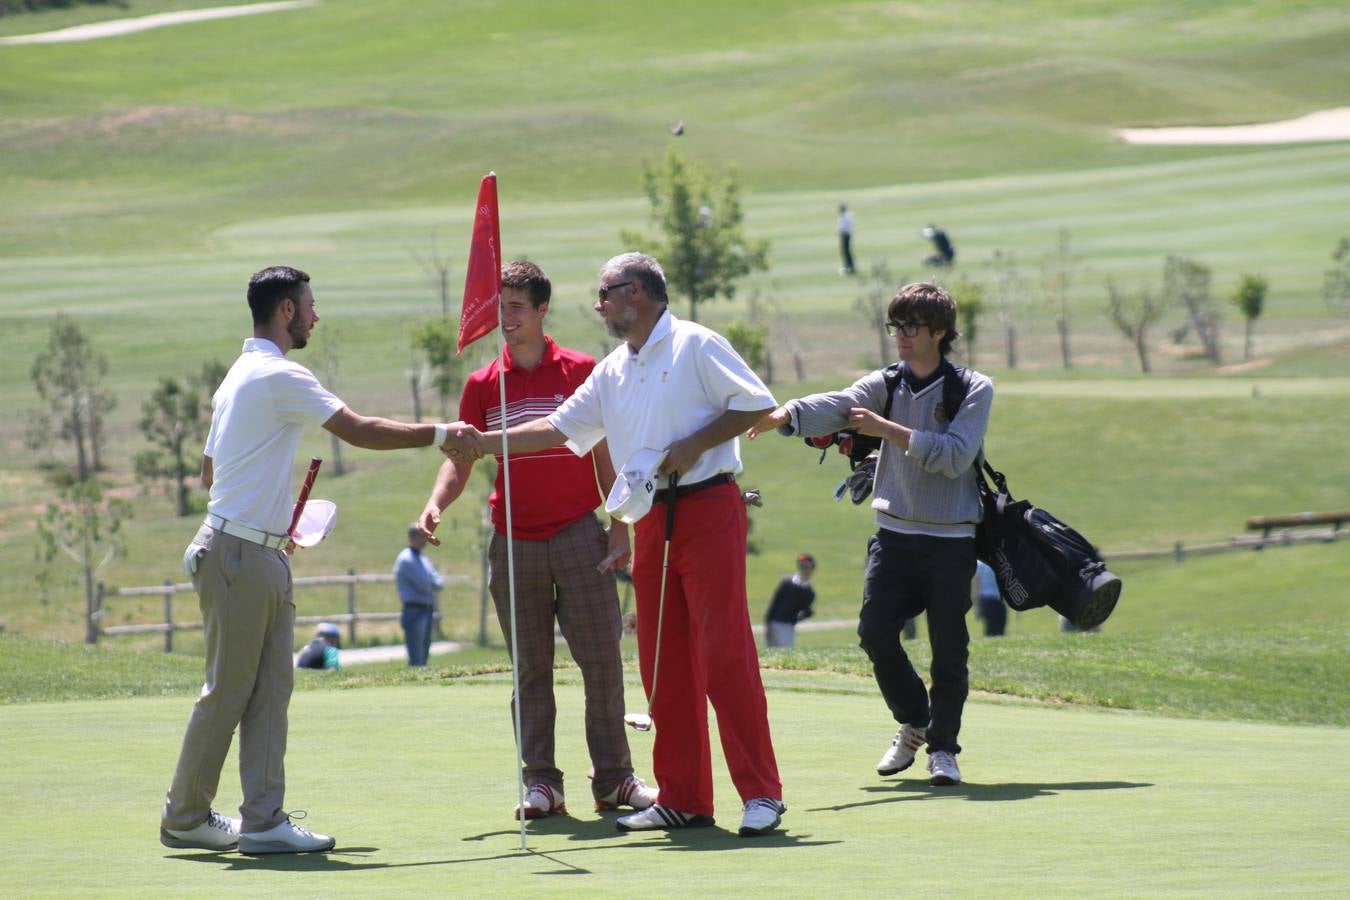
942	769
657	816
216	833
899	756
762	815
634	793
542	800
287	837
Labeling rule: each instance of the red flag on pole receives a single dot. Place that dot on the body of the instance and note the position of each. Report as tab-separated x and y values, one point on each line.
483	277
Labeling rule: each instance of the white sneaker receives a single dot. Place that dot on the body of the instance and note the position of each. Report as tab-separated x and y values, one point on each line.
942	768
900	755
216	833
658	816
634	793
542	800
762	815
287	837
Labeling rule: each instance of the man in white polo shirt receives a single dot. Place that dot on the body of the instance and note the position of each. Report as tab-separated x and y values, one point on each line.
241	570
680	388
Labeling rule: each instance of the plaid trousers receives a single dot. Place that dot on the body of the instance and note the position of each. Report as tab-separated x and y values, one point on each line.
557	578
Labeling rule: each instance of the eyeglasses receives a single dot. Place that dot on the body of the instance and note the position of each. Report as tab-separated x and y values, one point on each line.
908	329
606	288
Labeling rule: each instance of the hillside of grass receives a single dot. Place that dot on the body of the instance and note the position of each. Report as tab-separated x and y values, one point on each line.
147	176
346	105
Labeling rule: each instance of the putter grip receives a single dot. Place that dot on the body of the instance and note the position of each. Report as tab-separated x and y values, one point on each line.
672	483
313	473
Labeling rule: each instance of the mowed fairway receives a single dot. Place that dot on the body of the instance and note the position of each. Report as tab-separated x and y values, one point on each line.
416	784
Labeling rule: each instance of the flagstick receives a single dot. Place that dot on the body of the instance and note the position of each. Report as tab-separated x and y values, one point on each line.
511	585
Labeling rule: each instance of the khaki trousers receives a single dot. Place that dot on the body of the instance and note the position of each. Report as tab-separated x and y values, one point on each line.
249	617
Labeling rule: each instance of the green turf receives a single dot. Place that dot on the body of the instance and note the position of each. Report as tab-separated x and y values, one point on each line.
385	107
1056	802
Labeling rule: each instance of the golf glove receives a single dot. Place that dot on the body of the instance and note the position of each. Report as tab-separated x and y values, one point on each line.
191	555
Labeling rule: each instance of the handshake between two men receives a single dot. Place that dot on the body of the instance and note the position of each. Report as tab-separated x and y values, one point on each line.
464	443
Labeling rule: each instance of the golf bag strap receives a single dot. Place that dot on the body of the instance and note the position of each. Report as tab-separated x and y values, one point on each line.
955	386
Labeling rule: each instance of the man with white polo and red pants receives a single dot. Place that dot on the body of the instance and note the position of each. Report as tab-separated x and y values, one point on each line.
559	548
240	566
679	388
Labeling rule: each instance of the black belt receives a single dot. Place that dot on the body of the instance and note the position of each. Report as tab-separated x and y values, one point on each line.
724	478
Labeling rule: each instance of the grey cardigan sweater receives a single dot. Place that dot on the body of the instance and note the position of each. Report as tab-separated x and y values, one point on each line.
929	488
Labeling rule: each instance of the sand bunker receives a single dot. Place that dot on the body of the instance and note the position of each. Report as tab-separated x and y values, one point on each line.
145	23
1327	125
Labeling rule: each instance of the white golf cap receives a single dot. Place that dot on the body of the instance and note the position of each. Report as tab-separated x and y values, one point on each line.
634	486
316	522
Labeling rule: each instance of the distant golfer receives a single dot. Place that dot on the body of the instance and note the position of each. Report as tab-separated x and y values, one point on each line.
922	557
558	548
845	231
791	603
678	387
242	574
944	254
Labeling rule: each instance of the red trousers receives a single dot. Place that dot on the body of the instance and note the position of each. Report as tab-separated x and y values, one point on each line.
707	651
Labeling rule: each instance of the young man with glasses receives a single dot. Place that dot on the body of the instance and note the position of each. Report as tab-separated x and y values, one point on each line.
922	557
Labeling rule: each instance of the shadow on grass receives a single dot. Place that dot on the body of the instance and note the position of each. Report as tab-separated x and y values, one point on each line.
592	831
675	839
918	790
332	861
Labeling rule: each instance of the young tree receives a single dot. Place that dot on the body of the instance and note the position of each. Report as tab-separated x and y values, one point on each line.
1009	289
330	371
1134	314
703	248
81	525
1187	281
751	341
68	378
173	423
438	271
871	306
969	297
1057	274
1336	282
1250	297
435	339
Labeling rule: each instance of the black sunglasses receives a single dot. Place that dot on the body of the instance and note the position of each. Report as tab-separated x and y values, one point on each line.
606	288
908	329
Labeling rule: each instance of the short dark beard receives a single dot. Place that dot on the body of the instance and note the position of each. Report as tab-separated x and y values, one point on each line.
298	337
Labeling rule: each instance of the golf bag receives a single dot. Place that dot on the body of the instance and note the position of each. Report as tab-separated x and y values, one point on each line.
1040	561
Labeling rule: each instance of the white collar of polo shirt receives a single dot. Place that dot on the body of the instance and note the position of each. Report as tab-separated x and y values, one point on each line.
261	345
660	331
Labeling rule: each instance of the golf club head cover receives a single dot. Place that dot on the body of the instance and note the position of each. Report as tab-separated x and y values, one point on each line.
860	480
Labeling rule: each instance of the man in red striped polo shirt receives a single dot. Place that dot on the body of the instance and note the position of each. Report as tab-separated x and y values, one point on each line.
558	549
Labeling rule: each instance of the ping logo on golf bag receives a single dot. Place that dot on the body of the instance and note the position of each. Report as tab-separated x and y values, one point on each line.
1016	593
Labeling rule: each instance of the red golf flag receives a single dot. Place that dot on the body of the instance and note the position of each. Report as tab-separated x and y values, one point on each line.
483	277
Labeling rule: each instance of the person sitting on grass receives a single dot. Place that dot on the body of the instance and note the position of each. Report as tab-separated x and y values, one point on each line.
322	652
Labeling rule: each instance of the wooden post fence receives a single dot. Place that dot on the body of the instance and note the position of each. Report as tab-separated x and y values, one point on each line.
169	589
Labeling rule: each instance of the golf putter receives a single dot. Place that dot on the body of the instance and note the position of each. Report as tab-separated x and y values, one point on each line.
643	721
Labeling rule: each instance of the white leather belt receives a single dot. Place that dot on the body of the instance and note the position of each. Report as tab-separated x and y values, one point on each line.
265	538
